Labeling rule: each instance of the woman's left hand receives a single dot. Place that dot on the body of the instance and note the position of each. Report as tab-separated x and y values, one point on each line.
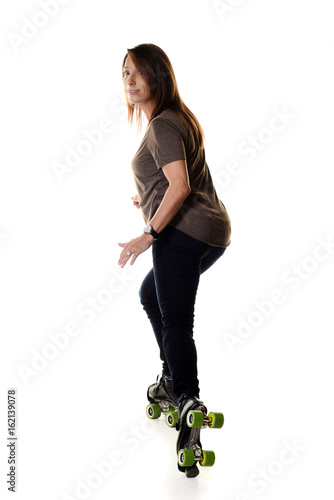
136	247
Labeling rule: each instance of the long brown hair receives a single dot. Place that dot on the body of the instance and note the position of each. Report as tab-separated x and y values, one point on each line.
159	74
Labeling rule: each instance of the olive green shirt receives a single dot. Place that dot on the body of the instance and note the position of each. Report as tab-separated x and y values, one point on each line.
202	215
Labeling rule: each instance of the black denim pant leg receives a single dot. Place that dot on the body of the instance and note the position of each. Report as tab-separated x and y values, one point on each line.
149	301
178	262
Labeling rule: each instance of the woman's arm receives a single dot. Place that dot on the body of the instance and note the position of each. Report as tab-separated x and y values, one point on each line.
177	175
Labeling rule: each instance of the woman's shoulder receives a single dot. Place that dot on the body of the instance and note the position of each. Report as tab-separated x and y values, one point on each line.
169	117
167	114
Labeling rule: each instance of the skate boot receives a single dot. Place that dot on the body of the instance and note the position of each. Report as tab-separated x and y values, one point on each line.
162	400
187	439
192	417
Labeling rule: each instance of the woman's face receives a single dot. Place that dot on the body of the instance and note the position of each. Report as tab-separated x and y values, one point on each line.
135	85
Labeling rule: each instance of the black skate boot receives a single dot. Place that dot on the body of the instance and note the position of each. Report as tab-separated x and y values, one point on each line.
161	398
188	442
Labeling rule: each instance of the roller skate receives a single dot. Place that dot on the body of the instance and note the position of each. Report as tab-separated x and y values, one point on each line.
192	417
162	400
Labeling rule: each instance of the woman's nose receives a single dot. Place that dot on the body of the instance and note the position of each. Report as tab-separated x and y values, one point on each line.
131	80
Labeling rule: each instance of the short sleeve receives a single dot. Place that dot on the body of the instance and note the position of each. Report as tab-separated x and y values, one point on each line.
165	142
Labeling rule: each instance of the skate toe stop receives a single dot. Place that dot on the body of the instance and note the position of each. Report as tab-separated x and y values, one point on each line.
192	471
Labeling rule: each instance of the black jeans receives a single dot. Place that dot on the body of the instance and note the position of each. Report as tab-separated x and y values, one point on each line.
168	295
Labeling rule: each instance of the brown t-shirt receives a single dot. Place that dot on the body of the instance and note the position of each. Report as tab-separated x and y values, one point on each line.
202	215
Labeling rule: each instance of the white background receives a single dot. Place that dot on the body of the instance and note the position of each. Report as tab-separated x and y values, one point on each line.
237	65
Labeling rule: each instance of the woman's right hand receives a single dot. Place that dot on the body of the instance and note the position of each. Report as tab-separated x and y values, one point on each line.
135	200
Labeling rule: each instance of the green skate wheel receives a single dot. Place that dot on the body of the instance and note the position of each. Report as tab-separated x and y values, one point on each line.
171	418
153	411
195	418
207	458
186	458
216	420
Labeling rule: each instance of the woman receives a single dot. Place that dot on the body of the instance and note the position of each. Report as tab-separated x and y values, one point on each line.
186	224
